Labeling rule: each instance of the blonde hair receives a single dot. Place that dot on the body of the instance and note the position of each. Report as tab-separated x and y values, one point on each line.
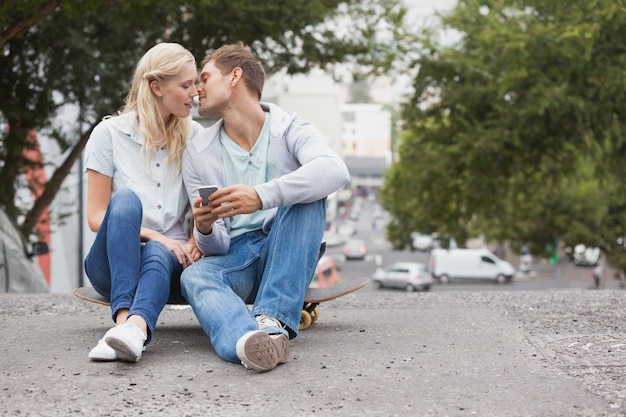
160	63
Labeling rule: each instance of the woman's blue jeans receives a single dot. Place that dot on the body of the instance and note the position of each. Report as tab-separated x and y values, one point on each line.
272	271
134	275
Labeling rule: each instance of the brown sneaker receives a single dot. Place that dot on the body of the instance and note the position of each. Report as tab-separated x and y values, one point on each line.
262	351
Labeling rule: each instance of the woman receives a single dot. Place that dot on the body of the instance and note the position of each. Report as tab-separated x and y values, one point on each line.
136	201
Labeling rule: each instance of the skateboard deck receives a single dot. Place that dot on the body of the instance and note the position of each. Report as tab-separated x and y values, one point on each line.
91	295
312	298
319	295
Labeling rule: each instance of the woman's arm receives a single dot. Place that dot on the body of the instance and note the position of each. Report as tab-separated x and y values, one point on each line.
98	198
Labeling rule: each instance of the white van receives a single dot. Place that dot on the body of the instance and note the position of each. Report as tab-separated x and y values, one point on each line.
449	264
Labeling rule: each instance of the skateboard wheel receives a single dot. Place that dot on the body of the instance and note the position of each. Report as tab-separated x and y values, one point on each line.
315	314
305	320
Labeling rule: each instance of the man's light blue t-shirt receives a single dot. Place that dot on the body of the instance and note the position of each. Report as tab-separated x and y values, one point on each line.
250	168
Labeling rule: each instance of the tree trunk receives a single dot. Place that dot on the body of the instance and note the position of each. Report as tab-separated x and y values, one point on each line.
53	185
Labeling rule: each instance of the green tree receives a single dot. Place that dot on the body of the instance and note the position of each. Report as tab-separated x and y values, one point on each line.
82	53
517	130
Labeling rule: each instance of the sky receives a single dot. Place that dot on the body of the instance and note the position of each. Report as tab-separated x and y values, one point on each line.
421	11
427	8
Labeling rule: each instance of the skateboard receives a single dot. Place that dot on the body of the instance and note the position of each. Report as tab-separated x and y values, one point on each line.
314	296
310	311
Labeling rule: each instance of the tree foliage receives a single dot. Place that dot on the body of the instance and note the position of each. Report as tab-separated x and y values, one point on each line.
82	52
516	132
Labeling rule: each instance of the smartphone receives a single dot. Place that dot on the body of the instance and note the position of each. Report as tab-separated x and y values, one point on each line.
205	192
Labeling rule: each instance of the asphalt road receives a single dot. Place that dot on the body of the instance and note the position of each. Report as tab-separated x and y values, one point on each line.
457	354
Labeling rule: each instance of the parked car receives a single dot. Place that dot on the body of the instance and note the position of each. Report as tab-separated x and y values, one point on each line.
19	273
449	264
584	256
412	276
326	274
354	249
347	228
333	239
423	242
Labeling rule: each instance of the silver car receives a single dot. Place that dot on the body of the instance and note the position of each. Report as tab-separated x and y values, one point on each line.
354	249
411	276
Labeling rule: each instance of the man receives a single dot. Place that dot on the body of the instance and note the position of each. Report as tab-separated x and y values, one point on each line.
261	230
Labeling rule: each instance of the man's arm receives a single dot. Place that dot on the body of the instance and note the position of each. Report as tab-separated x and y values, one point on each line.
319	172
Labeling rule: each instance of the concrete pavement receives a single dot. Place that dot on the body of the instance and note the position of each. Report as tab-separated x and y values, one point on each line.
381	353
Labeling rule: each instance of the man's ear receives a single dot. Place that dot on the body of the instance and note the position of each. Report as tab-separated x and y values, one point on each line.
155	86
235	76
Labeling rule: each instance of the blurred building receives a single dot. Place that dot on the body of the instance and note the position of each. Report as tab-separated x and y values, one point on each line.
359	132
366	130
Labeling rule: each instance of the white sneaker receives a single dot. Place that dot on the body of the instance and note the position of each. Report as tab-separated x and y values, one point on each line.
127	340
262	351
102	352
264	321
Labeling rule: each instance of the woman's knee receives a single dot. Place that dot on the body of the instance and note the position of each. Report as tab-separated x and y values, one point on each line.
125	202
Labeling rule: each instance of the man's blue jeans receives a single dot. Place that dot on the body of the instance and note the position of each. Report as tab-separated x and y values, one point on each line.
272	271
133	275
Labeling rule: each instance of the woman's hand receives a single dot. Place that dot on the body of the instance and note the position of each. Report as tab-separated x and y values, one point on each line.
183	251
186	252
195	252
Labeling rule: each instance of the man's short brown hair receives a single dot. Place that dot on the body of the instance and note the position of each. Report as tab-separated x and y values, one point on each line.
228	57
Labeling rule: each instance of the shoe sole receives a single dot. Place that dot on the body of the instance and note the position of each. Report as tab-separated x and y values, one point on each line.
103	358
261	351
123	351
102	353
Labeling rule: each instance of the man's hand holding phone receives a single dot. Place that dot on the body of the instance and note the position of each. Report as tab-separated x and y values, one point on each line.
203	216
232	200
205	192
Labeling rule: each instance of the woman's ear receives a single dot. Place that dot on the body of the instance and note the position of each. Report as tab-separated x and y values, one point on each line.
155	86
